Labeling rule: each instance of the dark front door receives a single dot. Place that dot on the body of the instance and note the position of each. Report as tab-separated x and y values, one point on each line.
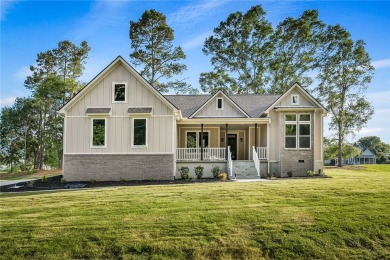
232	142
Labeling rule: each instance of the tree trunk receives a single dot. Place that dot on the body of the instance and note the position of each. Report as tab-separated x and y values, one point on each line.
340	163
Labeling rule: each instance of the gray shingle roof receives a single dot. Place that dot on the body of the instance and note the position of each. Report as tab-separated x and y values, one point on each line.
98	110
253	105
138	110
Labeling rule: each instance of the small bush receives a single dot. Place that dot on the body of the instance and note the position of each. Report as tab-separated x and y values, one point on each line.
184	173
63	180
44	179
30	184
92	181
216	170
122	180
310	173
222	176
199	171
290	174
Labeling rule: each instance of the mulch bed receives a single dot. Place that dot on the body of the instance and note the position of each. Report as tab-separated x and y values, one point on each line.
54	183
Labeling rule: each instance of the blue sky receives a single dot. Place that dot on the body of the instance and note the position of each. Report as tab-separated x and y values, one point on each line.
30	27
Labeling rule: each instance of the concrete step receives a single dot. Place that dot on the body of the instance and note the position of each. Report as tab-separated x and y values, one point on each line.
244	170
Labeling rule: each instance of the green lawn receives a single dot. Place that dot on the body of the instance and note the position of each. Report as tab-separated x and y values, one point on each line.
344	217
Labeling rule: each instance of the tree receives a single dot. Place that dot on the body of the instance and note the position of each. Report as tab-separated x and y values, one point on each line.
17	140
53	82
343	80
66	61
331	150
375	145
241	49
151	39
297	44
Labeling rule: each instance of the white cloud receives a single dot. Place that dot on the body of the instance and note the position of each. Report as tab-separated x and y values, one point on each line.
196	41
5	6
7	101
194	12
104	13
381	64
379	99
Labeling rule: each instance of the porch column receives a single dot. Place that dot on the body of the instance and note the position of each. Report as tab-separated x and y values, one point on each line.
226	141
255	135
201	142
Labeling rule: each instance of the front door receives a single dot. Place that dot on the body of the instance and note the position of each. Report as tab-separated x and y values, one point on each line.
232	142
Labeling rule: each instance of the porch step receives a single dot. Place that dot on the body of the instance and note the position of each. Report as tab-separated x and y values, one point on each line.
244	170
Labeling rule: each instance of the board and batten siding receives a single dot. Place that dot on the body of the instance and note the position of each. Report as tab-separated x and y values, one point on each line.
303	102
78	124
210	110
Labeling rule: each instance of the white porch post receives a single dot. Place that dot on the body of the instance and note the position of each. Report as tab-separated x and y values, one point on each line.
201	142
226	141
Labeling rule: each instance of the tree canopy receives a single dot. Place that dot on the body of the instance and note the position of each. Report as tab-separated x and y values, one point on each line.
152	43
343	80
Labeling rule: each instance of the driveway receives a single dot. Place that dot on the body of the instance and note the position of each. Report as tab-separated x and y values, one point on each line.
4	183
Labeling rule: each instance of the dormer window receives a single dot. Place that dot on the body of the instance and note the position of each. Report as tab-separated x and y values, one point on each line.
294	99
119	92
219	103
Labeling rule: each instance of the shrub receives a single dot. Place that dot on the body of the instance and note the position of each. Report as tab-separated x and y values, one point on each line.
216	170
310	173
44	179
30	184
92	181
290	174
184	173
199	171
63	180
122	180
222	176
31	171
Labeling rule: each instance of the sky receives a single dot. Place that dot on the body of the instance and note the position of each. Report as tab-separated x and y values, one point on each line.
29	27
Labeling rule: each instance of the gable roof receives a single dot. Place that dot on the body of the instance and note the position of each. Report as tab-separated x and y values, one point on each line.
103	73
252	104
213	97
303	91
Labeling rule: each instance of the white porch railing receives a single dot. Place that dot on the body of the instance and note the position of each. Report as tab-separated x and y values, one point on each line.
262	153
230	162
194	154
256	161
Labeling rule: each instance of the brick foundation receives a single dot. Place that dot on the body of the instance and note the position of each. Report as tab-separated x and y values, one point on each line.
113	167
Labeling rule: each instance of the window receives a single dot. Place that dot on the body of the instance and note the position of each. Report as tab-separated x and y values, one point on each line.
119	92
194	140
139	132
294	99
297	132
191	139
98	133
219	103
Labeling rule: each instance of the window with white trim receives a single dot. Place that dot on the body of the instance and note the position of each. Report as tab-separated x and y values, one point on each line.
193	139
294	99
119	92
219	103
139	132
98	133
297	131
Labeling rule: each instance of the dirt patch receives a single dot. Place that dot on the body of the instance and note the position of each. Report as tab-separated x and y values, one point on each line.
54	183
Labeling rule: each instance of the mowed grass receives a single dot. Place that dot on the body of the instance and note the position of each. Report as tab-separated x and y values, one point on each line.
344	217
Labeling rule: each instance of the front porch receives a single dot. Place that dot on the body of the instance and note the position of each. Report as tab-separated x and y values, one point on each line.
213	154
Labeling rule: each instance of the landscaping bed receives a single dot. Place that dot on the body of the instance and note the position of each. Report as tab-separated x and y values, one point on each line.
54	183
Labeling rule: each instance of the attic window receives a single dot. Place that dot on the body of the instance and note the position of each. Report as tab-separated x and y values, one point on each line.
119	92
294	99
219	103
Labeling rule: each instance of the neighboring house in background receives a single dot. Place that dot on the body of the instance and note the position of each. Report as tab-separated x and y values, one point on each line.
366	156
119	127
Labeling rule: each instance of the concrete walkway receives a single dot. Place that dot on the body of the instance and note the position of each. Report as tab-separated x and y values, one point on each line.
5	183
